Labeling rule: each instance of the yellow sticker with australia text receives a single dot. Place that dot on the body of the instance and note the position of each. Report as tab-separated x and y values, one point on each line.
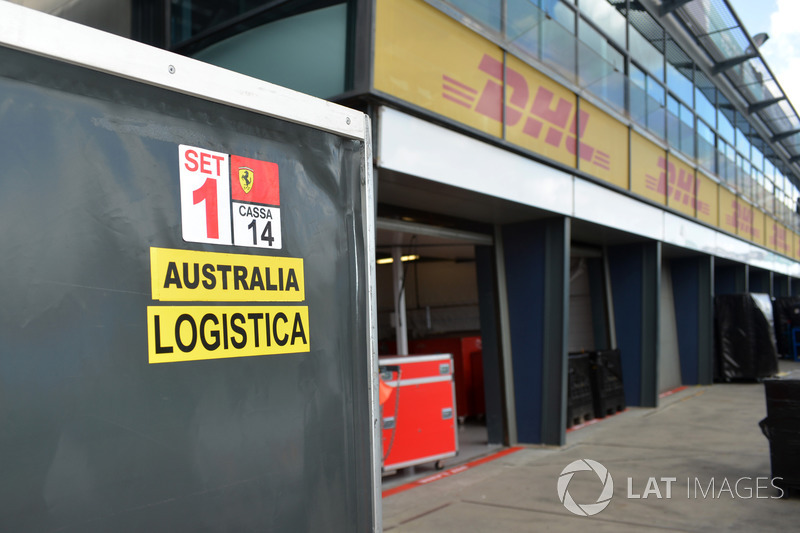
192	276
193	333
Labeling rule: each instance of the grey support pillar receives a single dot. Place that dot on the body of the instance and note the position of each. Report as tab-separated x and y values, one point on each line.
537	281
636	281
399	285
491	343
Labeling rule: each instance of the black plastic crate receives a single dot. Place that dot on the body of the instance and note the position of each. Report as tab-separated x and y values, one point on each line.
784	450
580	400
783	396
782	428
607	384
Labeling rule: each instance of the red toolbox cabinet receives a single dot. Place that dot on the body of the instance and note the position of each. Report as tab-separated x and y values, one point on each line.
419	417
467	369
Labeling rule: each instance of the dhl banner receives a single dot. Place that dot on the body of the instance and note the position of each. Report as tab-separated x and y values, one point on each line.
778	238
759	227
771	234
796	247
682	187
707	200
441	66
788	248
446	68
540	115
727	210
598	129
744	219
648	169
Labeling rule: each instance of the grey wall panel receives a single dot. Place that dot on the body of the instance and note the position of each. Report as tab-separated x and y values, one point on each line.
669	362
581	321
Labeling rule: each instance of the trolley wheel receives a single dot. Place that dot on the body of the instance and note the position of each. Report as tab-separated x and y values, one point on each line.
439	464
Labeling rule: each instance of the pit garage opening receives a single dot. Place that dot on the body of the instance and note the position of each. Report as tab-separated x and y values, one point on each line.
429	331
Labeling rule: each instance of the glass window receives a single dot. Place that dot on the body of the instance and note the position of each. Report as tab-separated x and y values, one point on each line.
793	206
726	157
704	107
646	54
769	196
730	166
488	12
679	84
558	36
784	208
705	146
673	122
638	96
656	104
192	17
605	16
550	39
724	127
272	52
601	67
687	131
758	184
744	180
523	25
757	158
742	143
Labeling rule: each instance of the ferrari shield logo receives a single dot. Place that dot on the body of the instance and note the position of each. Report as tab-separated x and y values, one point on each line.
246	178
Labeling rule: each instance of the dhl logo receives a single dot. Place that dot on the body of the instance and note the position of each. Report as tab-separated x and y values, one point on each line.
742	218
557	121
779	238
678	185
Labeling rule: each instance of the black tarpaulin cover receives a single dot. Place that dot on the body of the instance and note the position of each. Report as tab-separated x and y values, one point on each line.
745	347
786	314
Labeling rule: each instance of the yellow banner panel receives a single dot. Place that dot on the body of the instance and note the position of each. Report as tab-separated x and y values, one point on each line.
796	248
771	237
193	333
192	276
648	169
681	186
785	242
744	219
540	114
727	210
759	228
426	58
778	237
707	200
603	149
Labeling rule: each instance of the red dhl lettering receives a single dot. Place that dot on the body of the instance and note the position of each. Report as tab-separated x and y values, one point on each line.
678	185
779	238
541	117
742	218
